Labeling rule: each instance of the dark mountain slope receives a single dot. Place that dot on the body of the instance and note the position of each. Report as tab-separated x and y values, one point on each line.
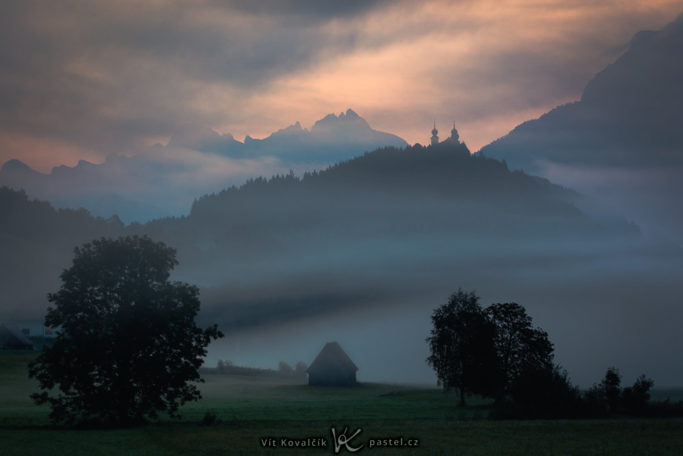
622	143
365	250
36	244
389	212
388	207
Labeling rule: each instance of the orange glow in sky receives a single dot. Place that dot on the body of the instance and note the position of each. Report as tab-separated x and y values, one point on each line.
83	85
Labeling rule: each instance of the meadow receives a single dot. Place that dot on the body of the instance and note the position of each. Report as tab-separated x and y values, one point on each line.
250	409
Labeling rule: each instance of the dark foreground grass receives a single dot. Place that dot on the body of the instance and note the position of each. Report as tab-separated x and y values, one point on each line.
251	409
607	437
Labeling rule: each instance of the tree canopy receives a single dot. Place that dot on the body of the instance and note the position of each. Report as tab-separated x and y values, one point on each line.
520	347
492	351
461	345
127	344
497	352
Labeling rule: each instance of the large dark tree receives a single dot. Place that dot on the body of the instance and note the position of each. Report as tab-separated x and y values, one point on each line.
461	345
127	346
531	385
521	349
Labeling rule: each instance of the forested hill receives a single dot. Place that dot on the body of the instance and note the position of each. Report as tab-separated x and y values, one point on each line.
445	172
36	244
359	231
24	218
288	246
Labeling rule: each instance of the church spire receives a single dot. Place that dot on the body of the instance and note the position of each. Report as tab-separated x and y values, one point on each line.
435	135
455	137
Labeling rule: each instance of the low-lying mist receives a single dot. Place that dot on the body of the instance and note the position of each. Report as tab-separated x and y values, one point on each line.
364	251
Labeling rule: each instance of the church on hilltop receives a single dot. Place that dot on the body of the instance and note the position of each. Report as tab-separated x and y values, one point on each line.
454	138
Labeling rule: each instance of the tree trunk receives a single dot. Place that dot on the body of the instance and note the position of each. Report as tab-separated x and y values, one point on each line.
462	396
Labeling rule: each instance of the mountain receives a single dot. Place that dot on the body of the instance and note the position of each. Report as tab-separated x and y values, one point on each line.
622	142
131	186
330	140
163	180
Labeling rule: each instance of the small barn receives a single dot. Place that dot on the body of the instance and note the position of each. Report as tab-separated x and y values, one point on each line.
332	367
13	339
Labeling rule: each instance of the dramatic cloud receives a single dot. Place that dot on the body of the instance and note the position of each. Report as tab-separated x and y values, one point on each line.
307	9
83	80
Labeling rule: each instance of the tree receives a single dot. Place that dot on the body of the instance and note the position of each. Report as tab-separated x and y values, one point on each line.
541	392
461	345
285	370
127	344
635	397
521	349
611	387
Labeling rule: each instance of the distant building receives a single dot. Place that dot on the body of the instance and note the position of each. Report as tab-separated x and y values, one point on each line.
435	135
13	339
332	367
455	137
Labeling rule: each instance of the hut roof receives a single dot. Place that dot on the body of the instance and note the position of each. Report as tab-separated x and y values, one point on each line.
332	356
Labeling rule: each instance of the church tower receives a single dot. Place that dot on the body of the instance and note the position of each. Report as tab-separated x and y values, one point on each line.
455	137
435	135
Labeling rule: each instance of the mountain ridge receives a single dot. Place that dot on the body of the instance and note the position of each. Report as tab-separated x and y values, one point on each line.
163	180
621	144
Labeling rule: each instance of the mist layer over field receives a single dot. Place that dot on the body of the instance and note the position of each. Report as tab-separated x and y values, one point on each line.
364	251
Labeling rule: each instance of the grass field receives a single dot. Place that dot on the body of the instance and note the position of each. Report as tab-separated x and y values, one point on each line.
251	409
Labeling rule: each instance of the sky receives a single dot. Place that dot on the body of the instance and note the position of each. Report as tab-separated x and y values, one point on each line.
82	80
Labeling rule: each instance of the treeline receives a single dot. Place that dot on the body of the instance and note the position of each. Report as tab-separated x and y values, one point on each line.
438	201
554	396
284	370
36	243
35	221
446	170
496	352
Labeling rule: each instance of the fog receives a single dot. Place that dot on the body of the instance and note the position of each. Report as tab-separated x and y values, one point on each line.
624	312
162	180
363	252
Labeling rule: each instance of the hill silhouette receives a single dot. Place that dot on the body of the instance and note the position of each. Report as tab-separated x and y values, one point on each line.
621	144
364	250
410	197
36	244
404	206
161	181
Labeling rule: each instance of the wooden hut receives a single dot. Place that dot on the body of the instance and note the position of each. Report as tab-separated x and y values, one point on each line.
332	367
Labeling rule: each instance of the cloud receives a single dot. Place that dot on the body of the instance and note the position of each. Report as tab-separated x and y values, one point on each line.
101	77
108	76
307	9
486	66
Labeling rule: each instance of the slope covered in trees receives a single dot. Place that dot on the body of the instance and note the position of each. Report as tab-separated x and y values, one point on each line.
36	243
286	247
388	232
399	206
